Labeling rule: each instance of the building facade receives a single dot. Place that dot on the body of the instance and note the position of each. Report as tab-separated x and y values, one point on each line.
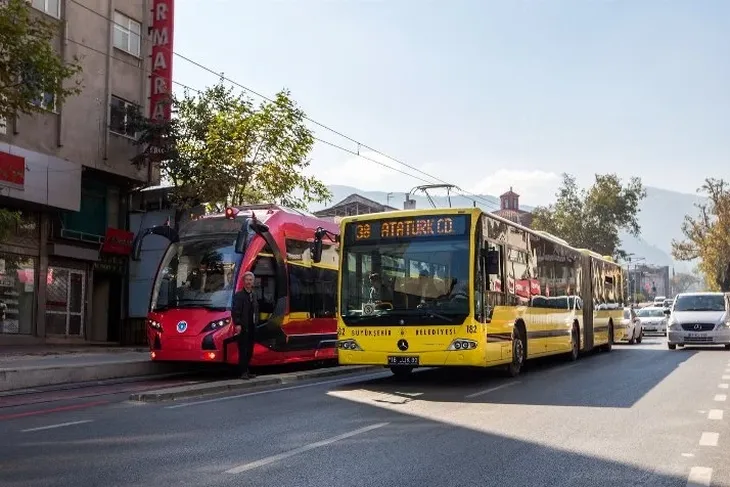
63	271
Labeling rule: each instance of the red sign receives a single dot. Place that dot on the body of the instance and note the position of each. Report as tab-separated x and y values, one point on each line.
161	77
117	241
12	170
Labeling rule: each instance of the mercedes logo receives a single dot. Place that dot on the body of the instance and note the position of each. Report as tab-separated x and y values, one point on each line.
697	326
402	345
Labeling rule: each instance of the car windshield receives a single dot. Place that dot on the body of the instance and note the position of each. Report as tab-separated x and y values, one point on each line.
197	273
650	313
421	281
700	302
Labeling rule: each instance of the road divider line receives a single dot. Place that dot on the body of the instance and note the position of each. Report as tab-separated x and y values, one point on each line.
722	386
280	389
59	425
726	377
709	439
492	389
699	477
281	456
720	397
715	414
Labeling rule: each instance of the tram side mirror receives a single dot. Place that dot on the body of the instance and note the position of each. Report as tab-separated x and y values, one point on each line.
493	262
137	247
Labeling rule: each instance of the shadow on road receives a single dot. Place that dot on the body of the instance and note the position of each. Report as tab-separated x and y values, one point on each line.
617	379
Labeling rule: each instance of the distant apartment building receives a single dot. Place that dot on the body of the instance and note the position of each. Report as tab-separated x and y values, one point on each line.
651	281
509	208
354	204
63	272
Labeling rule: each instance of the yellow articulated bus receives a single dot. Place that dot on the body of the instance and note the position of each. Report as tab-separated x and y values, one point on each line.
462	287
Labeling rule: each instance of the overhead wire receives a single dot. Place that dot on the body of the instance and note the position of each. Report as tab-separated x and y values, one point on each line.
475	198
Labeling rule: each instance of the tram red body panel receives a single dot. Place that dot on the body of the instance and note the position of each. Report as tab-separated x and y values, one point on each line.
205	334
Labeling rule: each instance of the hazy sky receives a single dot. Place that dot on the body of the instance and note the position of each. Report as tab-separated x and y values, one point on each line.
485	94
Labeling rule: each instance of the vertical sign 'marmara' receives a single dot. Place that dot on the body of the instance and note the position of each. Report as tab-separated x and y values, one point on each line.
161	77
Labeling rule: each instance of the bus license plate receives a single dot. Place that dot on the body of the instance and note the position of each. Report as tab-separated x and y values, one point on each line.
399	360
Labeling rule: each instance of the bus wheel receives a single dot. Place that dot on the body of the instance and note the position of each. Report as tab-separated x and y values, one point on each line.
518	354
609	346
574	344
401	372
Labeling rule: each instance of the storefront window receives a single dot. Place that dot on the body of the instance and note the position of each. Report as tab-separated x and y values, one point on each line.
17	294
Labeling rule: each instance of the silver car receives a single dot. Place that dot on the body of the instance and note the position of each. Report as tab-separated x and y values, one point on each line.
653	319
699	319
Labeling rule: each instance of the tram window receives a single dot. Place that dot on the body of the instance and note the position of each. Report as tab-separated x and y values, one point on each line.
300	288
265	286
325	287
298	250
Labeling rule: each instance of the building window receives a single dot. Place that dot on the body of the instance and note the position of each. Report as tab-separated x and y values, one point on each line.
46	101
127	34
3	126
17	294
121	117
51	7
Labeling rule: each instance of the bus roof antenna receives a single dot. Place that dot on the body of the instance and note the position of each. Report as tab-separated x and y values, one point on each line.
425	187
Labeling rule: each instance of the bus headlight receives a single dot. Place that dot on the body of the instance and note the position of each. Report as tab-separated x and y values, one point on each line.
217	324
349	344
462	344
154	325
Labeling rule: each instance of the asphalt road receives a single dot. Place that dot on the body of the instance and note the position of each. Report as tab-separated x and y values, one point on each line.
638	416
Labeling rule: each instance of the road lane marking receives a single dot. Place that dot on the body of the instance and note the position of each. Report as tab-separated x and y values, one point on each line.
720	397
492	389
53	410
281	456
722	386
699	477
709	439
59	425
281	389
715	414
726	377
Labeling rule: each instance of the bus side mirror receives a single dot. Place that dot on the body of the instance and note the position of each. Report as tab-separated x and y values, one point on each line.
317	249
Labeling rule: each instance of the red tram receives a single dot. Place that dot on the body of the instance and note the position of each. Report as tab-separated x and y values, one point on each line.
189	315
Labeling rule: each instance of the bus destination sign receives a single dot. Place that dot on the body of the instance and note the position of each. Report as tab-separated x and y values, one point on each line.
420	227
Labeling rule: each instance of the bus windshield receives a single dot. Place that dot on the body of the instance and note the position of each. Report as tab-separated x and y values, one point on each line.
197	273
421	281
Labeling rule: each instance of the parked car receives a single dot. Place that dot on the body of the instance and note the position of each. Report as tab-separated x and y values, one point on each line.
634	330
699	319
653	320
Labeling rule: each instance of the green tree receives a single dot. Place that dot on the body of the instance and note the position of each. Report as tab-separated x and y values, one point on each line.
30	67
707	237
221	149
592	218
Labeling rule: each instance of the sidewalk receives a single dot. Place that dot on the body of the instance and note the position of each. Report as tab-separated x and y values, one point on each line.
29	367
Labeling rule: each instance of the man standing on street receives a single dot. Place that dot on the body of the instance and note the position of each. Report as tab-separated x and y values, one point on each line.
245	315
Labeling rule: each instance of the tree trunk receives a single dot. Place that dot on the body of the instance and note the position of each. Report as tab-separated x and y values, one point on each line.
725	281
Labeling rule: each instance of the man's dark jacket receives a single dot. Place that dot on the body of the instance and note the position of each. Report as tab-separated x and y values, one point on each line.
245	312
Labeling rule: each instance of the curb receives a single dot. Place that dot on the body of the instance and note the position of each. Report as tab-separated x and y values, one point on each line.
219	387
38	376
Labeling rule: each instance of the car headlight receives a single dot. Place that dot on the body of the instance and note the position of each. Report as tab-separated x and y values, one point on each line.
154	324
217	324
462	344
349	345
724	322
674	324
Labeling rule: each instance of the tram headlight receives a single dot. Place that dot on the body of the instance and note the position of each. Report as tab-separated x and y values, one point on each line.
154	325
217	324
463	344
349	344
